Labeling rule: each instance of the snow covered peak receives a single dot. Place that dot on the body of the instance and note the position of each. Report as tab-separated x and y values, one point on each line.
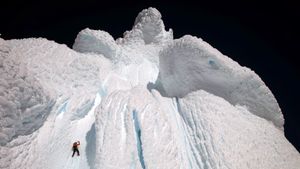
96	41
143	101
147	16
149	28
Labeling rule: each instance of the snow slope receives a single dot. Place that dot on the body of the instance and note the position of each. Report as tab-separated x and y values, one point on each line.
141	101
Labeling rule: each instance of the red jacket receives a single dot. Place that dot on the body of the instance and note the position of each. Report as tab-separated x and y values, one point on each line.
76	144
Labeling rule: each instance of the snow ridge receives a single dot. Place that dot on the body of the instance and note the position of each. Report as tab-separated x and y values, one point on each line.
190	64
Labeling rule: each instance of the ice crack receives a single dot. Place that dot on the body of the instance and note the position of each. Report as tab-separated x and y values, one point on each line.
138	138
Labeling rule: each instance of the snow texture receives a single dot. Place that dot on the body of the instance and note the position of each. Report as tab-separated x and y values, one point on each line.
148	29
190	64
93	41
143	101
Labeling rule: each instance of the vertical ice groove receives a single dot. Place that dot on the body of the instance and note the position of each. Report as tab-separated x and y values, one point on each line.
201	132
63	107
194	114
138	138
123	127
62	110
182	130
195	131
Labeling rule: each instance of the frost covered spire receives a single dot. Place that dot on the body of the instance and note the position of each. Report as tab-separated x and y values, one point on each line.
150	23
149	28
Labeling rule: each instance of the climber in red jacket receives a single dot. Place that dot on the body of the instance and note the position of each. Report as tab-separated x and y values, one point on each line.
75	148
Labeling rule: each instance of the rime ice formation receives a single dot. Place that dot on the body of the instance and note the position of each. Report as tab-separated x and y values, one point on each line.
190	64
144	101
98	42
148	28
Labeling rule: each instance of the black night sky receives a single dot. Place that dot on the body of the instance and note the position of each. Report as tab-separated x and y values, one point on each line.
263	36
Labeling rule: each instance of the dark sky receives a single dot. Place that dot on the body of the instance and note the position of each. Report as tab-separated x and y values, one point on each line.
263	36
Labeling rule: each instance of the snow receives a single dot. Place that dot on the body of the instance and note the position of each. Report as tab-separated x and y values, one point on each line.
148	28
93	41
228	145
141	101
22	99
189	64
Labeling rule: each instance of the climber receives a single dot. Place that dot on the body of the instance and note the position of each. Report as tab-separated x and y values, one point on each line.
75	148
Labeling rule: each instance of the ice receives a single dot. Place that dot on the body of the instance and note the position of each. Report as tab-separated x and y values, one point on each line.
141	101
148	28
190	64
138	138
23	100
93	41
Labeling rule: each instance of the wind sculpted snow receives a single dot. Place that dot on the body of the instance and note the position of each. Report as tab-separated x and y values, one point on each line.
144	101
190	64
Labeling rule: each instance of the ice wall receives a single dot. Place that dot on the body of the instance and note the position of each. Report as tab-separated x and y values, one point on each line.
142	101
